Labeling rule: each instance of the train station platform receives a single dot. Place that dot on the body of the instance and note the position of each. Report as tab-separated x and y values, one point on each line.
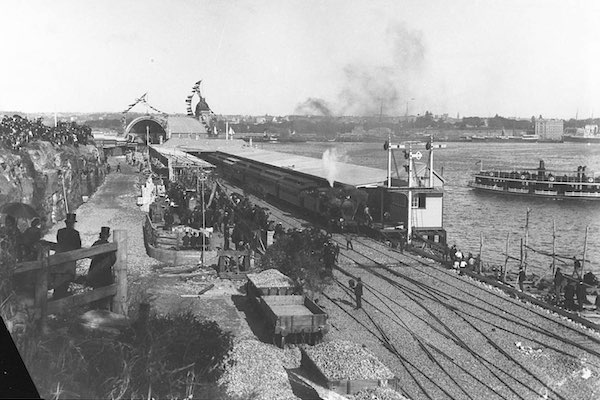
326	170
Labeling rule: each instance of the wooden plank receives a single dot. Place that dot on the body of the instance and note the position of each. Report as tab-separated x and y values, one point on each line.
41	290
73	255
58	306
119	303
235	276
282	300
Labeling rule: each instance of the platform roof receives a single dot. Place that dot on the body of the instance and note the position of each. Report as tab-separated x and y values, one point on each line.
179	158
184	124
344	173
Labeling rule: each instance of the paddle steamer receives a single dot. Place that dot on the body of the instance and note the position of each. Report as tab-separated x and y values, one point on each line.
540	182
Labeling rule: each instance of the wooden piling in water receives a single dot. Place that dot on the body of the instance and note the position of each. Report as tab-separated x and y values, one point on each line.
506	259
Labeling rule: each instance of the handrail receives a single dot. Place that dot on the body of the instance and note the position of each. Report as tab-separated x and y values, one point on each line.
61	258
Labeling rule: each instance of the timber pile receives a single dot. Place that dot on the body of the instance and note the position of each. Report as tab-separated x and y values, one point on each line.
197	273
270	278
345	360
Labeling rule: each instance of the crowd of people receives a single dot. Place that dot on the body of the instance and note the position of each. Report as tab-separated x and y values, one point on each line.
17	131
459	261
233	215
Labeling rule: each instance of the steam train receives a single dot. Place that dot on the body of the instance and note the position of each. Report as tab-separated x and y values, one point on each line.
342	206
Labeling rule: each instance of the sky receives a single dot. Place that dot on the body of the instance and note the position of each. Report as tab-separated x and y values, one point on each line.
280	57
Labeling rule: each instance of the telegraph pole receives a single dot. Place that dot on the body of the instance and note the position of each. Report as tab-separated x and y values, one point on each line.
202	179
409	217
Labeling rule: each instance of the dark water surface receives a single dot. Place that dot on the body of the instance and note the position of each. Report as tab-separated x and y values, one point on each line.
469	214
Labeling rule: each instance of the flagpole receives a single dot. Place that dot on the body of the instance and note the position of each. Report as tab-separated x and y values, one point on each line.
431	161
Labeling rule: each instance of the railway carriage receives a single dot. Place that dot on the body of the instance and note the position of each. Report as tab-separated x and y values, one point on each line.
346	196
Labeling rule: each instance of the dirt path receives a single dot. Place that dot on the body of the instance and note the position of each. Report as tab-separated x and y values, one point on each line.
114	205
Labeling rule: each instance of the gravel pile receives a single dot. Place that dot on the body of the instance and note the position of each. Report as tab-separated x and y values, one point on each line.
342	359
256	369
377	394
270	278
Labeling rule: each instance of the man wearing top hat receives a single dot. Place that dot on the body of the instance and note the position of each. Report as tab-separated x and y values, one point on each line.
67	239
100	272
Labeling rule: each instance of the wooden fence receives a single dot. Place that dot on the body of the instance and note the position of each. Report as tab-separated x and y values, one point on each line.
46	263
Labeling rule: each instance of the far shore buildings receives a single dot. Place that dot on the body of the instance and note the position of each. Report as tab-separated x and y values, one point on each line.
549	128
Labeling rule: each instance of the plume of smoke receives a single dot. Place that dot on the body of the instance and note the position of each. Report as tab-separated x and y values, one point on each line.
368	88
313	106
330	159
372	87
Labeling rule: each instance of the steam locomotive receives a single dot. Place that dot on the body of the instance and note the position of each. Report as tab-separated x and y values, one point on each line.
341	206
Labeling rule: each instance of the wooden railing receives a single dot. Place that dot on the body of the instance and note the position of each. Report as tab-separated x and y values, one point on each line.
44	266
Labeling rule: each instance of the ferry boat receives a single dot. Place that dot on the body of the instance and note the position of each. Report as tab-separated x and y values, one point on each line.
540	182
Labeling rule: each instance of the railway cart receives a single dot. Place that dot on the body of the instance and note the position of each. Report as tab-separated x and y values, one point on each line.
268	283
293	318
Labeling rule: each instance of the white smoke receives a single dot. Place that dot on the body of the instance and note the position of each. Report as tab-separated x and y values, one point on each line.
331	159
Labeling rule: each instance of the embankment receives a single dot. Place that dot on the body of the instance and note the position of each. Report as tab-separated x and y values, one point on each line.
50	178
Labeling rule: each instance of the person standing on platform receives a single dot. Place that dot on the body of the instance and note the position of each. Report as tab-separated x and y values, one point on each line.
521	278
31	239
67	239
558	282
358	292
580	293
349	245
576	268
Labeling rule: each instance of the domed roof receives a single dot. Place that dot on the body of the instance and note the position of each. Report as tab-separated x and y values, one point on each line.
202	106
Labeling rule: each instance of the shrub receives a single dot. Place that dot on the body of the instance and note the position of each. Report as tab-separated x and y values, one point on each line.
169	357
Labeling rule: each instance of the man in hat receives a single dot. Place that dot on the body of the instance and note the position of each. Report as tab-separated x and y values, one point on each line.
100	272
67	239
31	238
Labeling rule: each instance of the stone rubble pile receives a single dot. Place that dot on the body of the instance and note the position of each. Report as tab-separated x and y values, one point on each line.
255	370
341	360
270	278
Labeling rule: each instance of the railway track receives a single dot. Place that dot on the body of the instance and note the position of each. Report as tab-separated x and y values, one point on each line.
449	336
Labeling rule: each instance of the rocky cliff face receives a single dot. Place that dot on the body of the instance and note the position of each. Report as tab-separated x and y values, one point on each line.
52	179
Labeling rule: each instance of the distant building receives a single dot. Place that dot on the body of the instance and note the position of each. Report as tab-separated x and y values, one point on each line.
549	128
591	129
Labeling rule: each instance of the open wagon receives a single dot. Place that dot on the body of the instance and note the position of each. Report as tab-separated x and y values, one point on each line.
268	283
293	318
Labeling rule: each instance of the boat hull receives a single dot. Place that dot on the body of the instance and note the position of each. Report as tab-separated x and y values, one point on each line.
581	139
540	194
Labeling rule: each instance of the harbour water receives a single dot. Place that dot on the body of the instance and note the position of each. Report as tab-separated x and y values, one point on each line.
469	214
